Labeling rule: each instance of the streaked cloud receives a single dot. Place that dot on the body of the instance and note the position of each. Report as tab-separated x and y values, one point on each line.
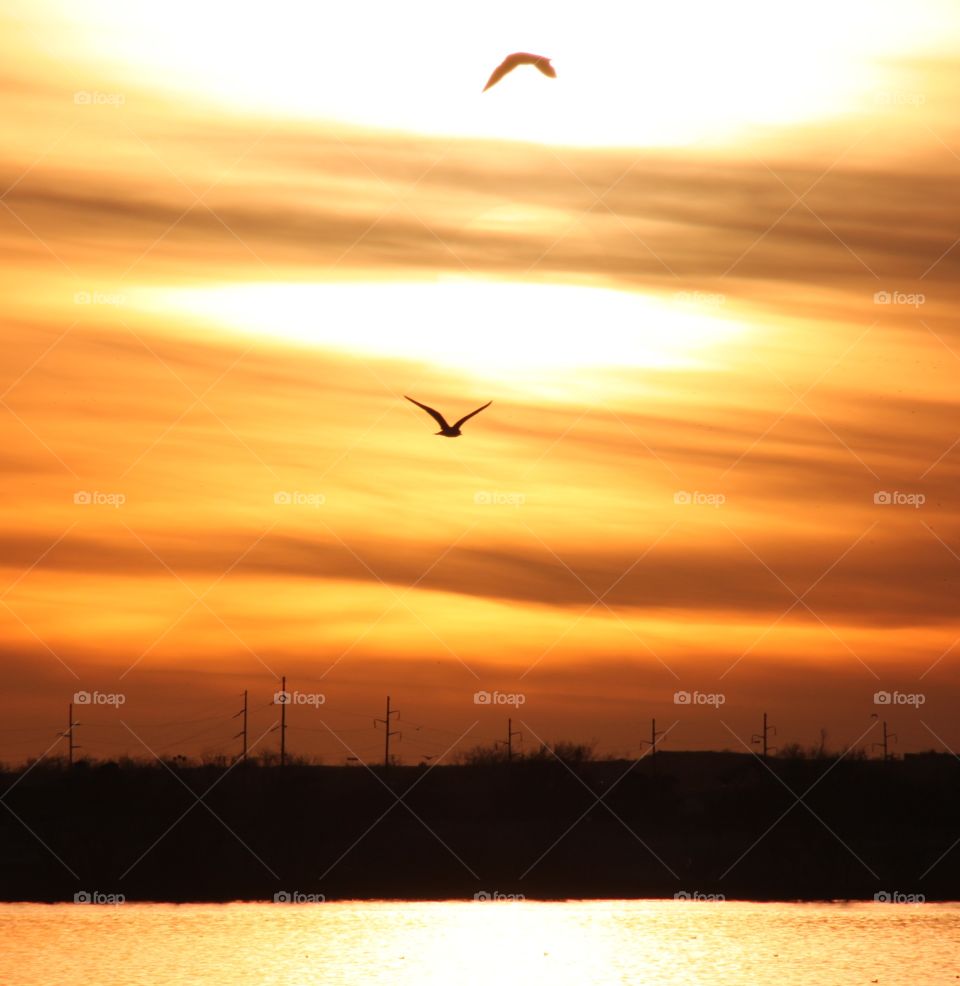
830	245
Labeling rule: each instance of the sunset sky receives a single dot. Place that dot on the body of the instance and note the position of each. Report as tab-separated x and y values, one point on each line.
708	277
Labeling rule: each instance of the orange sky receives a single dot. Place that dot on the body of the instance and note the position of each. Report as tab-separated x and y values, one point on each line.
224	264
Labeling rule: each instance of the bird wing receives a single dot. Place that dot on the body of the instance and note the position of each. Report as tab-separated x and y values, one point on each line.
507	65
467	417
436	415
544	65
519	58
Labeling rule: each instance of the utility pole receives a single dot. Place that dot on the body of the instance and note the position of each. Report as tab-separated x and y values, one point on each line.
283	722
652	742
762	738
284	697
243	732
71	746
654	736
511	732
388	732
886	741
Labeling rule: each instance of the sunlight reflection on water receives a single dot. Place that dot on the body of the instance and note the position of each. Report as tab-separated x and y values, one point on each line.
663	942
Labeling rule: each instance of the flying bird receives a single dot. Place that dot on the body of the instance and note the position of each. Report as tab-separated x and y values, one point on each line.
447	430
520	58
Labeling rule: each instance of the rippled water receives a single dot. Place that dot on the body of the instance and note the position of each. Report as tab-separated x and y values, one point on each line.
582	942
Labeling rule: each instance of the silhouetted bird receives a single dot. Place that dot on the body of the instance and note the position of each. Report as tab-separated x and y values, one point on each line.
520	58
447	430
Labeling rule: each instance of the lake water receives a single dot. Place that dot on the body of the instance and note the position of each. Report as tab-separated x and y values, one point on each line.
582	942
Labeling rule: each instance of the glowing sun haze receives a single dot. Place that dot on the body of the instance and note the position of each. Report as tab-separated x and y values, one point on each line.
628	74
470	325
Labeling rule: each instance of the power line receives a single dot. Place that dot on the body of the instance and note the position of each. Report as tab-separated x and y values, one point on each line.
388	732
762	737
243	732
508	742
284	697
71	745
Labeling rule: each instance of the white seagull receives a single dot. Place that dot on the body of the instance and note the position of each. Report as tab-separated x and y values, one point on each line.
447	430
520	58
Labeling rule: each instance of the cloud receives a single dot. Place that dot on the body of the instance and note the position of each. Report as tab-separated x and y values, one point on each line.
350	200
110	403
889	579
